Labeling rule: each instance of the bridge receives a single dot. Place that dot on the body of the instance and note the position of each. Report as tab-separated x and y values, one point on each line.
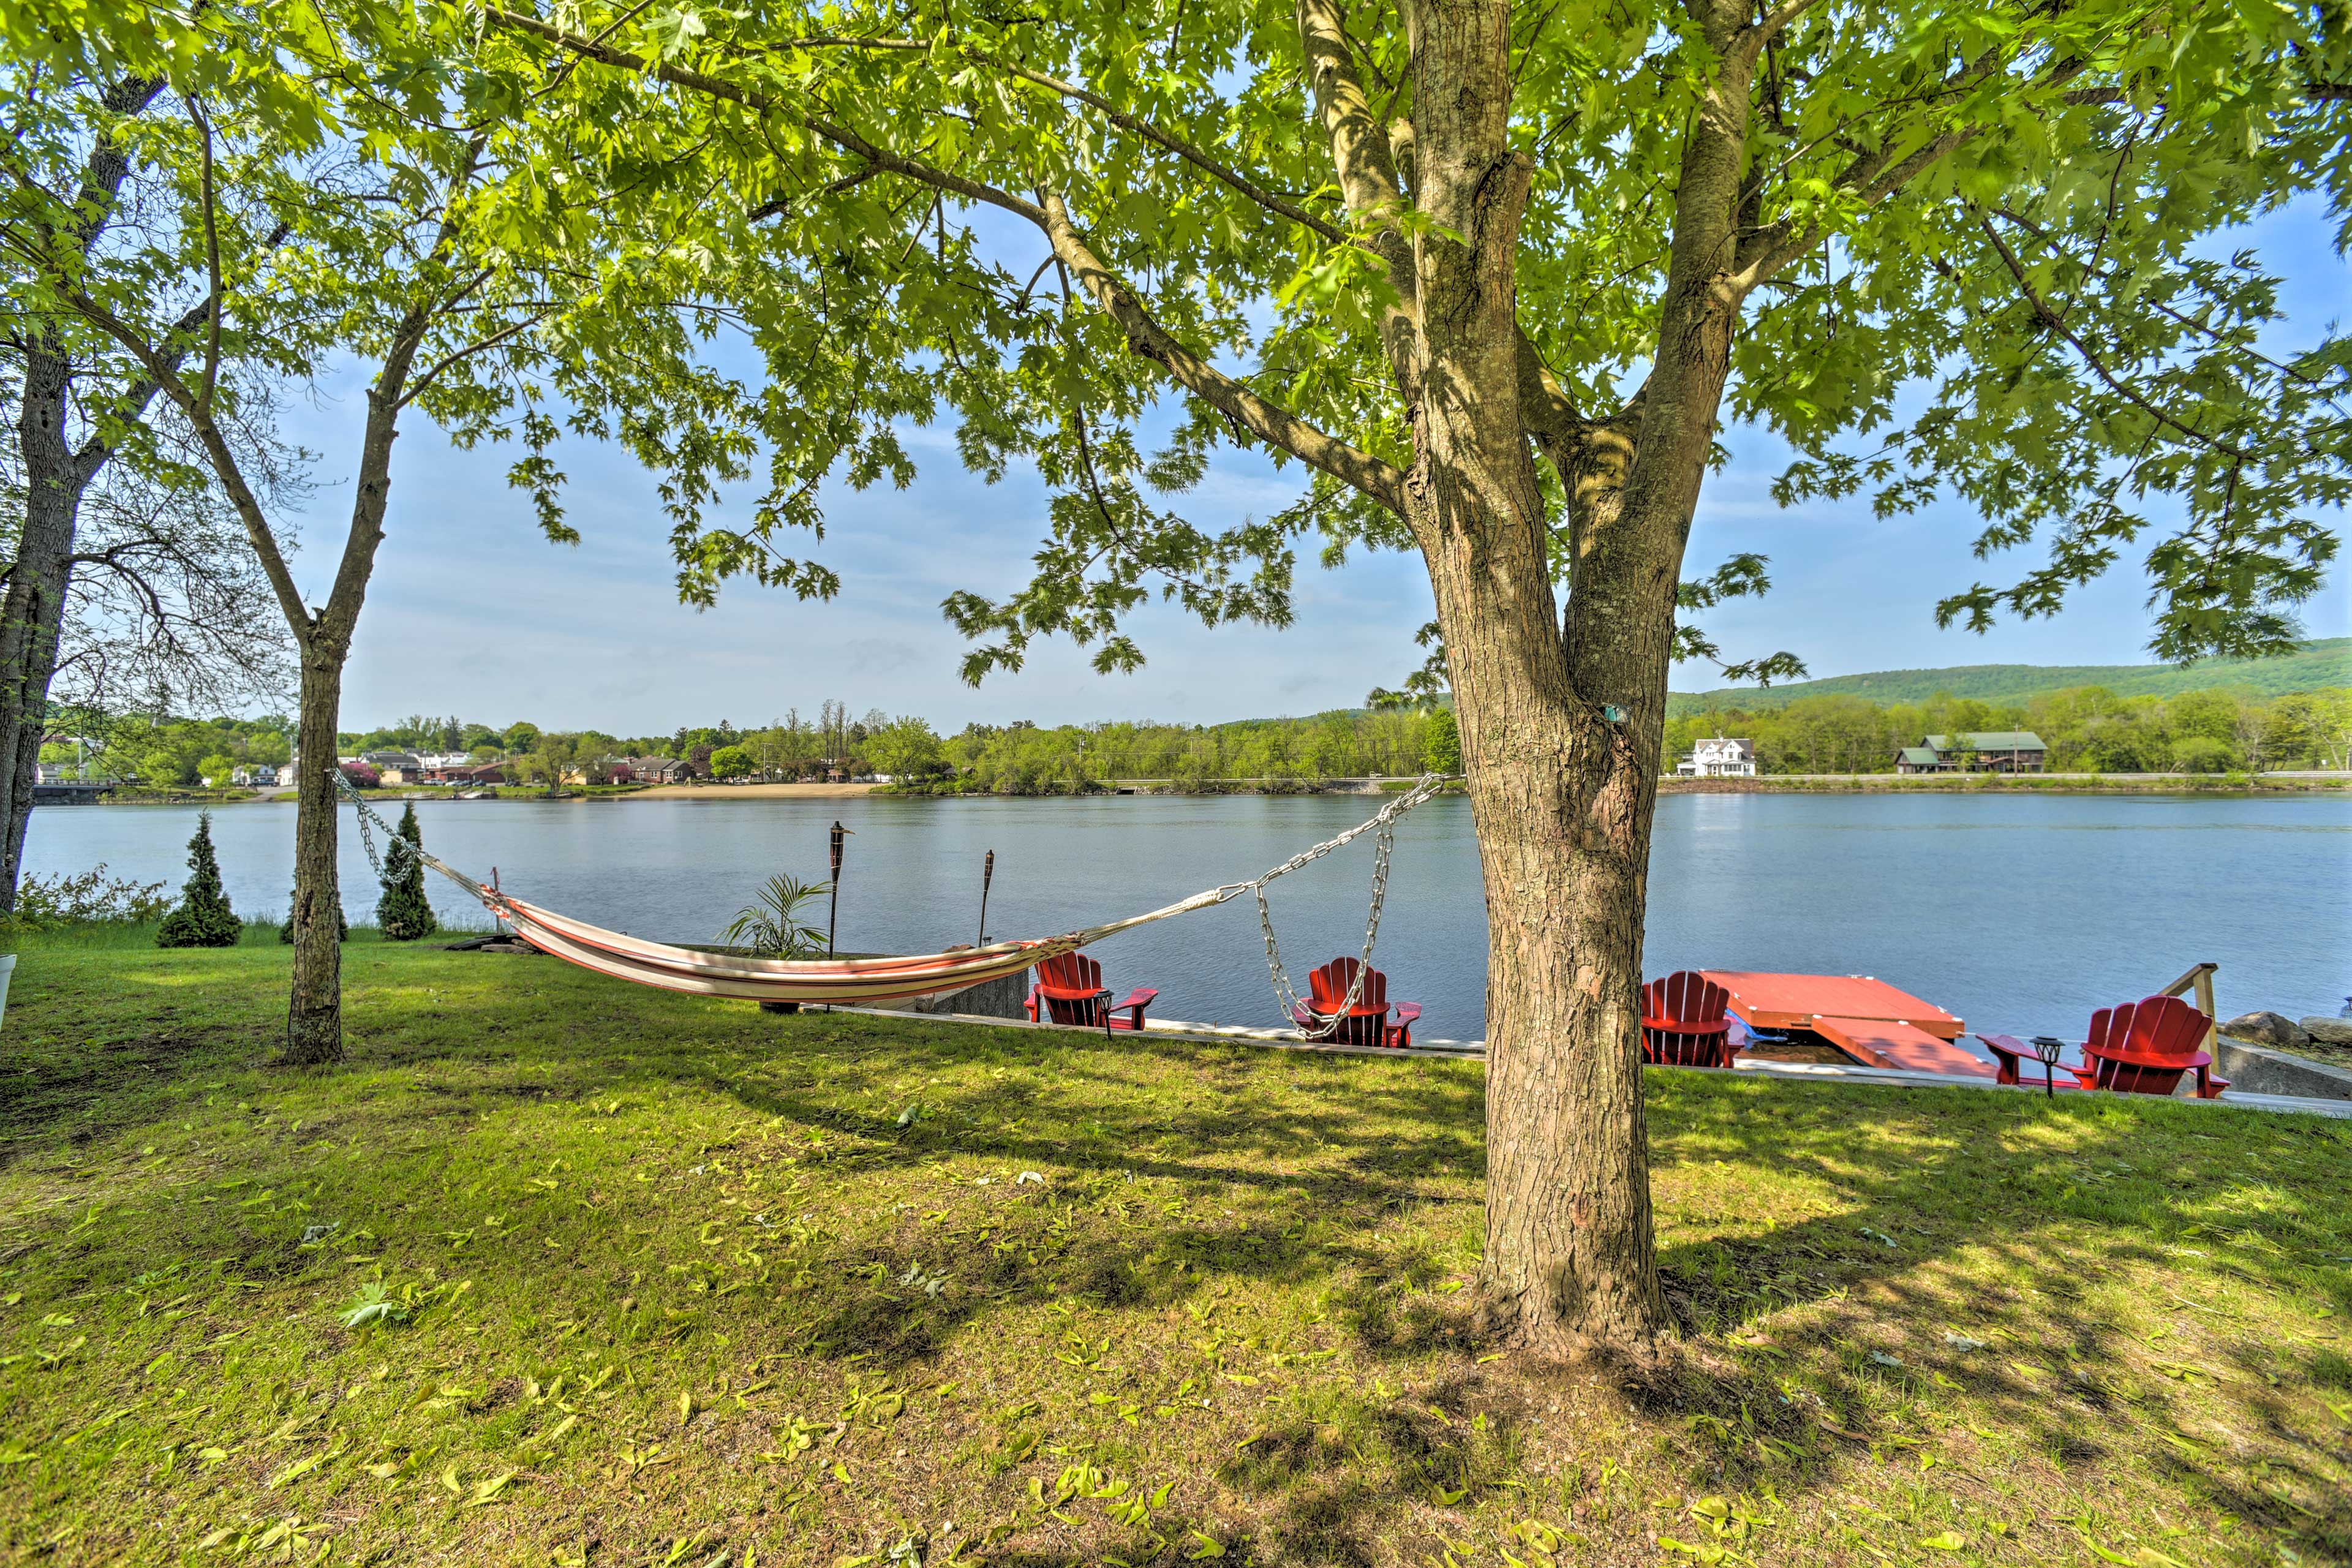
69	792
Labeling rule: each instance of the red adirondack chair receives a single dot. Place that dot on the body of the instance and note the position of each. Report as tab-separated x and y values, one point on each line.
1685	1021
1367	1023
1069	990
2136	1048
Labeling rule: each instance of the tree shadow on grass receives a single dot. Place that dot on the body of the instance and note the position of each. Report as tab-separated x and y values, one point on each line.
1996	1205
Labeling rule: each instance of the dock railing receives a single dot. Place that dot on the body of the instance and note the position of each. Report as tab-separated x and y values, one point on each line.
2201	978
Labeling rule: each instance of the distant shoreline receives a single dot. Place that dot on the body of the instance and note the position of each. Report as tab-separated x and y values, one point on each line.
2303	783
2015	784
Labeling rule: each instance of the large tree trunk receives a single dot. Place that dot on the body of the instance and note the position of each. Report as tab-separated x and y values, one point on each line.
1561	795
314	1016
1562	722
32	616
32	612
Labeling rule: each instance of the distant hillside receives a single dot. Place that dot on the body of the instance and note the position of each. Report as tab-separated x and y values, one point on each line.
2327	662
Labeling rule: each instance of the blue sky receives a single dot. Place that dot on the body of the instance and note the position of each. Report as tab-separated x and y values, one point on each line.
472	612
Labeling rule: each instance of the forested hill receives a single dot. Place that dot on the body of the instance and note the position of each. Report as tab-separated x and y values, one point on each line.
2323	663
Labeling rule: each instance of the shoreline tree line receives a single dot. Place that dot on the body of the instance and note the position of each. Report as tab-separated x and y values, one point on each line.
2087	728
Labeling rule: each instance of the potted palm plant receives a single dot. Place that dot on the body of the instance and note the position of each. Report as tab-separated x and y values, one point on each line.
771	926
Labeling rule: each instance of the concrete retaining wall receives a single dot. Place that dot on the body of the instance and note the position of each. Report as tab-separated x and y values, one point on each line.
1005	998
2257	1070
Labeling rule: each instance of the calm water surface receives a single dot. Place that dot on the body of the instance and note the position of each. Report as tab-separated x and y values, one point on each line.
2019	913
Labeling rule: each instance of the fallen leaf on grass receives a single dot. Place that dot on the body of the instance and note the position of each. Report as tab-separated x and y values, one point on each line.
1206	1549
1950	1541
553	1434
295	1471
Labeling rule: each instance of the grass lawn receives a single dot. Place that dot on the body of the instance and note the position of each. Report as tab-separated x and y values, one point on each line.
649	1280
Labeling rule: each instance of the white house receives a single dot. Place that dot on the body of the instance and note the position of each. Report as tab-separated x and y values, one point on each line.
1719	759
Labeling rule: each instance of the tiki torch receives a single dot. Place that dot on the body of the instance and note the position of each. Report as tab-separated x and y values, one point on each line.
833	908
987	875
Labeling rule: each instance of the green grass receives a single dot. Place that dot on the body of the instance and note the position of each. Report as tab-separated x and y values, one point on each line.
683	1283
2324	662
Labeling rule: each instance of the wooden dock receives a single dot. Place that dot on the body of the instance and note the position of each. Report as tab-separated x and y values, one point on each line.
1860	1015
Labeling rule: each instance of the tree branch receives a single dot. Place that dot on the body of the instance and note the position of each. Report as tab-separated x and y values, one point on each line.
1276	426
1770	25
1134	124
1366	164
2105	274
2052	320
423	383
209	381
162	370
840	136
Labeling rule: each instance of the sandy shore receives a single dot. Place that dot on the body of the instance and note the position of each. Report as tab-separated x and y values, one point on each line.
750	792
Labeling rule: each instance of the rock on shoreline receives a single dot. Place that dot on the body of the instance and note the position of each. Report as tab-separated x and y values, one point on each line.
2329	1031
2273	1029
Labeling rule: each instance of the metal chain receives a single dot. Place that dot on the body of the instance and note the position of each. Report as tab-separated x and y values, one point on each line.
367	816
1286	994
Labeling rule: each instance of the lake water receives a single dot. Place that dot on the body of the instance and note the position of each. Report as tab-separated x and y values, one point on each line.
2019	913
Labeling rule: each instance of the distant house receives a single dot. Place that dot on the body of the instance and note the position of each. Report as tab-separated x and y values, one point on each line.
1719	759
255	775
442	767
1977	752
396	767
660	770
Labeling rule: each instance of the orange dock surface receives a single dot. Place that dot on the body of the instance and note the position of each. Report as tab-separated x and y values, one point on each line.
1868	1019
1878	1043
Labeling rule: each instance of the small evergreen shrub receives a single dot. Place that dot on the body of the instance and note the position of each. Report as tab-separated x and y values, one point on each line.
202	917
404	912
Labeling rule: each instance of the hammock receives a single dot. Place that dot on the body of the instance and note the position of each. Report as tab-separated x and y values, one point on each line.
853	981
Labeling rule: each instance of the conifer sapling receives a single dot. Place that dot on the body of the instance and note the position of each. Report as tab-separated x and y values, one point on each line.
202	917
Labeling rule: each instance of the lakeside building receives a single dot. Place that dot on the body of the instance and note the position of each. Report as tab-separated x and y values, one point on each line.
1718	758
396	767
1977	752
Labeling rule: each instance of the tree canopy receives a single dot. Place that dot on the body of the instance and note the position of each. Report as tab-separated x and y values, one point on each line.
1983	253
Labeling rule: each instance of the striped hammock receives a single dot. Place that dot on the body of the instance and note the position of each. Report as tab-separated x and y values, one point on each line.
848	982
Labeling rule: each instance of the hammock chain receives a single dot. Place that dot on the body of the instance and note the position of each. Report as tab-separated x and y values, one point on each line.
1286	994
367	816
369	819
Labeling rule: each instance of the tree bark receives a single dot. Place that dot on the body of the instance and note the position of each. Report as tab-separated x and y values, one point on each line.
32	612
314	1013
1561	796
314	1016
1562	717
